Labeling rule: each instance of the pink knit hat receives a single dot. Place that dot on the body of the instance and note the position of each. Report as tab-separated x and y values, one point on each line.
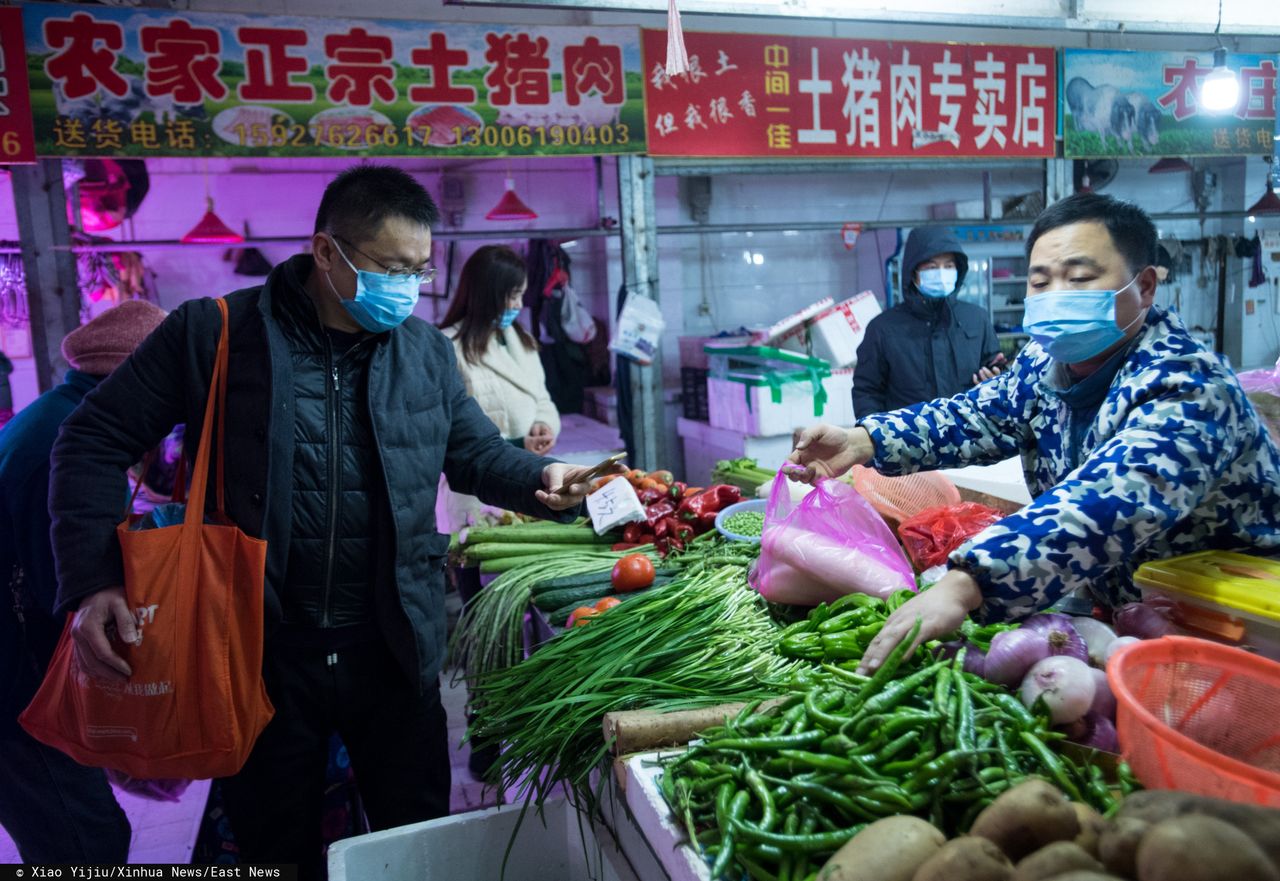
101	346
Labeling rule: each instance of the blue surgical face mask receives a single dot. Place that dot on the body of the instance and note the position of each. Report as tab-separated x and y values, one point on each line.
508	318
1074	326
382	301
938	283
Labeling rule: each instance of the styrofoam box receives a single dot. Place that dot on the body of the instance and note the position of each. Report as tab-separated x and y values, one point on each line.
727	405
470	847
837	333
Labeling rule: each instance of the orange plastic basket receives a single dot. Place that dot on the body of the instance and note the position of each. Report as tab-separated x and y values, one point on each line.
899	498
1199	716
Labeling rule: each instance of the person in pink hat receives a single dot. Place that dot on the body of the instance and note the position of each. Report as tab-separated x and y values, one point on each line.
56	810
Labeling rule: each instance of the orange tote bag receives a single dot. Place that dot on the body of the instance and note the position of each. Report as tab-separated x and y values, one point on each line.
196	701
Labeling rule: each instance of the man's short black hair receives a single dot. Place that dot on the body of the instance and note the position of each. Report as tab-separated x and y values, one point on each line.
1131	229
356	202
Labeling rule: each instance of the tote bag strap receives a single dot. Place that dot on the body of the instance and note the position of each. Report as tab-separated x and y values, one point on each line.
216	406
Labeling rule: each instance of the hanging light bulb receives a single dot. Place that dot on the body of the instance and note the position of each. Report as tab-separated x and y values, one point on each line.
1221	88
510	206
1170	165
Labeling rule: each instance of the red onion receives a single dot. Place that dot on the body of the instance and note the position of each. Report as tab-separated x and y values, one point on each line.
1145	621
1095	732
1065	684
974	657
1012	654
1063	637
1097	637
1104	702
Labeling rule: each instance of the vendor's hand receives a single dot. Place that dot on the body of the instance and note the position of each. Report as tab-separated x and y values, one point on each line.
941	609
539	440
985	373
100	616
570	478
828	451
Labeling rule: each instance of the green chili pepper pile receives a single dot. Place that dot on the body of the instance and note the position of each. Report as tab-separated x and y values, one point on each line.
773	792
840	632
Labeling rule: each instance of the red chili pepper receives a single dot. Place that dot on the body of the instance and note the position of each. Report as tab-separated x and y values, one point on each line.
663	546
633	533
710	501
670	527
624	546
677	490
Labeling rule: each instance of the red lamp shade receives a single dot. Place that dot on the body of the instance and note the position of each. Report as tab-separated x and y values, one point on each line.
511	207
1268	204
1170	165
211	230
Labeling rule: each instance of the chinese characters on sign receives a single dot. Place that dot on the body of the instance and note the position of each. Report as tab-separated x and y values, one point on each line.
1148	103
17	143
147	82
762	95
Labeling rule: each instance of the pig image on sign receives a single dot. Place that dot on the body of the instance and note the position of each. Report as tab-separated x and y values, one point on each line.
1103	110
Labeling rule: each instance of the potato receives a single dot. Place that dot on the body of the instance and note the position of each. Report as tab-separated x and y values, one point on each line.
1200	848
1026	818
967	859
1055	859
1092	826
1260	824
1118	845
891	849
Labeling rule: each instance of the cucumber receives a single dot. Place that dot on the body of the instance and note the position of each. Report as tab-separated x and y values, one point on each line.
571	596
493	550
563	581
544	533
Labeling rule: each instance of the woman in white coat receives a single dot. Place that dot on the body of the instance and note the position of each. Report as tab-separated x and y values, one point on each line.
499	362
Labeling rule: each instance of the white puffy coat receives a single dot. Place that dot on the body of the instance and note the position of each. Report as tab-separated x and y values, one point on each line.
510	386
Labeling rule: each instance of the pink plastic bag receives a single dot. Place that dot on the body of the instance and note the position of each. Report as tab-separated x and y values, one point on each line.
830	544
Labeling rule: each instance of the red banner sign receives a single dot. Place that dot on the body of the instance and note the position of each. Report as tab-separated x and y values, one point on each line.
763	95
17	140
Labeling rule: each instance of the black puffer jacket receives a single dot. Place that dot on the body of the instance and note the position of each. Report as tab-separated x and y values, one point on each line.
922	348
422	420
330	575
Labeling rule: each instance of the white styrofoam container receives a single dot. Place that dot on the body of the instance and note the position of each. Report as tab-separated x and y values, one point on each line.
751	410
836	334
470	847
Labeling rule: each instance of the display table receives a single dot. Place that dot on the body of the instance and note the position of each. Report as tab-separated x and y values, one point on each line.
636	813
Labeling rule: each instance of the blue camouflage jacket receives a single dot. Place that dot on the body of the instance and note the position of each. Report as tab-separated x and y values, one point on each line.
1177	460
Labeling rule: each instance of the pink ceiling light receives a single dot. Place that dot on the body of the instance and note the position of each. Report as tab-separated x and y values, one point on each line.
211	230
510	206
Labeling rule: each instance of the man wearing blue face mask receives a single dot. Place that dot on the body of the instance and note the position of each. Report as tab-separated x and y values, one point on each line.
1137	443
343	410
931	345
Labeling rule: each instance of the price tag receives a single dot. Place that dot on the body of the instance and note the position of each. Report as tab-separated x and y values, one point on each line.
614	504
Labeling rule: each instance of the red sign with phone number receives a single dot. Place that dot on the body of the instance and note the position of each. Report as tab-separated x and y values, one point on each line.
17	138
764	95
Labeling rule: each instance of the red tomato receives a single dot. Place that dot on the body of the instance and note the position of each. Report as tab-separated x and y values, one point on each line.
581	615
606	604
632	572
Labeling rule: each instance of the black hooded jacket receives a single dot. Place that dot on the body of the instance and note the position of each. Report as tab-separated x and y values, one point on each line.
922	348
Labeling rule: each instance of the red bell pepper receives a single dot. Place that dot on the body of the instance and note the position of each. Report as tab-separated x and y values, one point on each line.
623	546
649	496
711	500
659	509
637	533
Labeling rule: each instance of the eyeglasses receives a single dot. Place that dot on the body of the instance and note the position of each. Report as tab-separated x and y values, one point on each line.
424	275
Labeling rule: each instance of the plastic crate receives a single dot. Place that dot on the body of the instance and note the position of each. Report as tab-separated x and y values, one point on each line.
693	392
1198	716
559	844
1232	598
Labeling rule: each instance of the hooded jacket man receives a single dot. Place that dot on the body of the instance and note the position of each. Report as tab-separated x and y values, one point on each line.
931	345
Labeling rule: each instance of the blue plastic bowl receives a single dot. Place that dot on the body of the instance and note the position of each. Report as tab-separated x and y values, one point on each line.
750	505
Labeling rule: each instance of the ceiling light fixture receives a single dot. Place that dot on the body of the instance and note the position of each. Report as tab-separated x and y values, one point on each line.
1170	165
1270	202
511	206
210	230
1221	88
